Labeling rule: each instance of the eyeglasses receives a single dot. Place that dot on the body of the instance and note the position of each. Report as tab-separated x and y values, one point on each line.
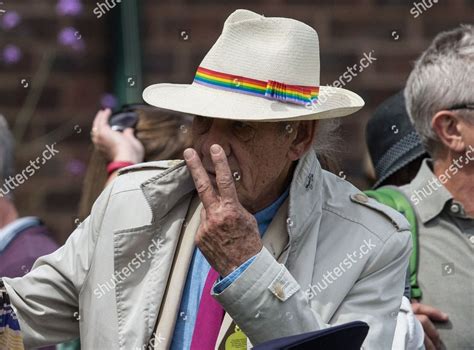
463	106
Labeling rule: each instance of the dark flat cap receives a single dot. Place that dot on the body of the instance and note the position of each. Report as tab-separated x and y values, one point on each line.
391	138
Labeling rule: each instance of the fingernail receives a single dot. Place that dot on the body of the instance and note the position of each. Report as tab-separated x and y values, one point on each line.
215	149
188	154
445	315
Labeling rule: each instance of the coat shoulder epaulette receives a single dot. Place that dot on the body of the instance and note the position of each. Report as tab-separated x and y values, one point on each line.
155	165
396	218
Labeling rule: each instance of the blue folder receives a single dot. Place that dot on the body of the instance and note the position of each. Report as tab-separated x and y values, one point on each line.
348	336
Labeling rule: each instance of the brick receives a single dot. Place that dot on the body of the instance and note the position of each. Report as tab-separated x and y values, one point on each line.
434	24
69	62
325	2
363	28
158	63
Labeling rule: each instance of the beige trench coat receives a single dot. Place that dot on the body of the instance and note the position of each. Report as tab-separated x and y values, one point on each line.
345	260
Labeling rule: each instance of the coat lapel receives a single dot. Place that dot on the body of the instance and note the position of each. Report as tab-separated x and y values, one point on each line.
143	256
170	306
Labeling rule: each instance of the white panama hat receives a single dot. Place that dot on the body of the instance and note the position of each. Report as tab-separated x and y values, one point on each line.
259	69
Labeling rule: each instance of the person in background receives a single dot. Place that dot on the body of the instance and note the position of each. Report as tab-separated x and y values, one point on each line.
396	152
395	147
440	102
22	239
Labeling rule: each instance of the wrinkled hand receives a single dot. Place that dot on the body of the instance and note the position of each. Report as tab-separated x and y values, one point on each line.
228	234
115	145
426	315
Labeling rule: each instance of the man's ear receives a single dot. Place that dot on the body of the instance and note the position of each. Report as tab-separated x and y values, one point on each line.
448	126
305	131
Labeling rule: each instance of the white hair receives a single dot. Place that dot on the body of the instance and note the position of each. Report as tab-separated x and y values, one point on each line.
443	77
326	141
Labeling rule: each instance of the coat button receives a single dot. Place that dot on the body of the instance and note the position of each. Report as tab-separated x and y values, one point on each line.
279	292
455	208
360	197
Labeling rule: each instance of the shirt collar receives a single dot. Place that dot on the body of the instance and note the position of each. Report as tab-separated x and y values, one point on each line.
428	193
265	216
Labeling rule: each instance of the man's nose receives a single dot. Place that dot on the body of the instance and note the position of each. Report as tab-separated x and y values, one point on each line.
218	134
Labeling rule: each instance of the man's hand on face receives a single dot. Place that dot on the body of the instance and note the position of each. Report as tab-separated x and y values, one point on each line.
427	315
228	234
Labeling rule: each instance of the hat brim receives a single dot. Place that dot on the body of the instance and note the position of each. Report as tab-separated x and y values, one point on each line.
401	162
197	99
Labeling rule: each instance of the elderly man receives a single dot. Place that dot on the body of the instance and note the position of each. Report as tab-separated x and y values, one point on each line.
440	101
172	255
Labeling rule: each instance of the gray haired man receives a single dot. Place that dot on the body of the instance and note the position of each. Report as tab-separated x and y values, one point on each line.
440	101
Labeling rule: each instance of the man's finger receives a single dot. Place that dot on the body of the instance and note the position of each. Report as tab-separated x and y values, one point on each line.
429	344
224	178
429	329
433	313
200	177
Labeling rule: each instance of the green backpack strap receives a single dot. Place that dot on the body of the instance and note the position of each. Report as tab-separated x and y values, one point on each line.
396	200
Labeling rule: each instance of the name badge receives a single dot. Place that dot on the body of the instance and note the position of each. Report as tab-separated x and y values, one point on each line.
237	340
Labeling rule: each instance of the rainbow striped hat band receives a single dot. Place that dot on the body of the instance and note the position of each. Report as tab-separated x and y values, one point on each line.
270	89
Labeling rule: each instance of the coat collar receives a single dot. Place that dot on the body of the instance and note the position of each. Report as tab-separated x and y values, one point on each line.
164	190
148	251
305	201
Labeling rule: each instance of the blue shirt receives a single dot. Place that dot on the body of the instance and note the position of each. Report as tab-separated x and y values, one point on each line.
197	274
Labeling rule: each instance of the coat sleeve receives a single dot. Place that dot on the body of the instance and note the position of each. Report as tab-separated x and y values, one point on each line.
263	297
46	299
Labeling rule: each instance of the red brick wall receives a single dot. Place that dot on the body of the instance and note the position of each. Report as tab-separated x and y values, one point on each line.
77	80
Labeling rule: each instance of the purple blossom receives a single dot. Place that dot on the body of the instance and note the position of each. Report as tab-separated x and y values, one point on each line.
70	37
76	167
10	20
69	7
66	36
11	54
108	101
